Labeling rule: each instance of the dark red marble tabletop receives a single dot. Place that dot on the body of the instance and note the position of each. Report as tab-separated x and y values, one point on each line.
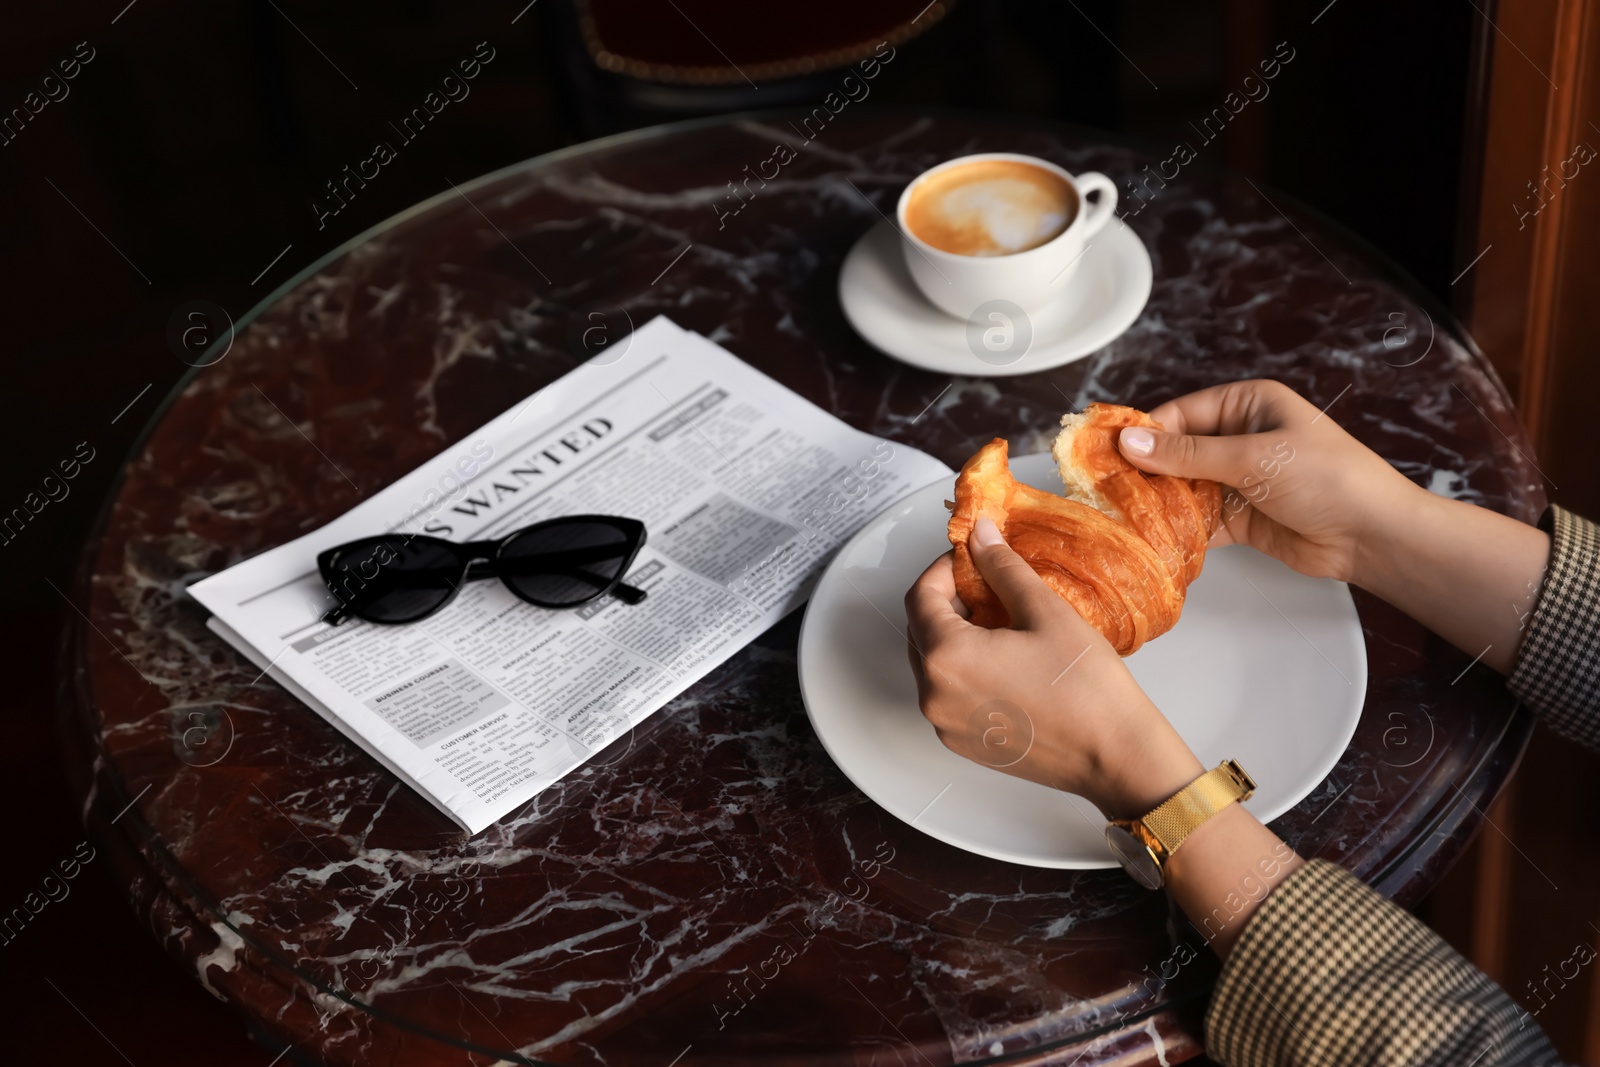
712	888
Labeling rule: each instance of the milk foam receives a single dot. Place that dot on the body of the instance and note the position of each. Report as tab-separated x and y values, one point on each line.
1014	214
990	208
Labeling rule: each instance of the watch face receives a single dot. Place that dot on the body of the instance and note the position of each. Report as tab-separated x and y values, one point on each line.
1135	857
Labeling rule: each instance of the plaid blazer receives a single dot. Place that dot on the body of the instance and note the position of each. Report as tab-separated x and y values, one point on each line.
1328	972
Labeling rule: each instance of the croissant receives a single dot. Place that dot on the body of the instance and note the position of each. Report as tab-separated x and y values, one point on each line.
1121	547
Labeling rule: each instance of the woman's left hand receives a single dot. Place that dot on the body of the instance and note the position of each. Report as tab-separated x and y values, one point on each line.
1047	699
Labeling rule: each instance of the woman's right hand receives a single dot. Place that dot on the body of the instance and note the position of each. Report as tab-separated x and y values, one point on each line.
1298	487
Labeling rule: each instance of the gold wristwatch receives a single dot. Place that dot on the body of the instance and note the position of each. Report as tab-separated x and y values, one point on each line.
1143	846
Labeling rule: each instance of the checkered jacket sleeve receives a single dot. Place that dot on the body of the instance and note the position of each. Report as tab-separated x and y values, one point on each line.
1328	972
1557	672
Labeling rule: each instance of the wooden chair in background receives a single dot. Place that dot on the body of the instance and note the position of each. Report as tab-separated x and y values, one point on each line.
627	64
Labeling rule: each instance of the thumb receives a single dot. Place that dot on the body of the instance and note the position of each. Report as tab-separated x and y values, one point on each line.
1020	589
1227	459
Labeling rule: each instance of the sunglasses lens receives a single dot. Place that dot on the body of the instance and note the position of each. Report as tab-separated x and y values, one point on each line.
398	579
565	563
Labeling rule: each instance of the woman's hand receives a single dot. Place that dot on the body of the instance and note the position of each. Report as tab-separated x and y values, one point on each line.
1301	489
1311	495
1047	699
1050	700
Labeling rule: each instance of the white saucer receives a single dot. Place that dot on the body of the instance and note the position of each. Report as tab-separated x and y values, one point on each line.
1100	301
1265	666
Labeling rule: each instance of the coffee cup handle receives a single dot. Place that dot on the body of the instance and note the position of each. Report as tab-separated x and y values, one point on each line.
1096	213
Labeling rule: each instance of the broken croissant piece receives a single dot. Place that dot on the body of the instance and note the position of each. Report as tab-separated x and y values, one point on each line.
1121	546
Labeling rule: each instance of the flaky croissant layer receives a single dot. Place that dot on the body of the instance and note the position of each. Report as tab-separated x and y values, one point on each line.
1126	568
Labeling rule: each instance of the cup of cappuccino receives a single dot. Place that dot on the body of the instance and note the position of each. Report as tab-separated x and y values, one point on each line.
999	226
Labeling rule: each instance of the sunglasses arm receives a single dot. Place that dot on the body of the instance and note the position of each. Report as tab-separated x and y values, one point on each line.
334	616
628	594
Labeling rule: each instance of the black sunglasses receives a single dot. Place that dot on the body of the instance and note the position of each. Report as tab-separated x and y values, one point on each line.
558	563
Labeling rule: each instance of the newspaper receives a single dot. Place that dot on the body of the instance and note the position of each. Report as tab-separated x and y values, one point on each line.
746	490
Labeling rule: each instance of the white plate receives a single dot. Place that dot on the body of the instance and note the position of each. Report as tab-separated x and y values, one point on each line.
1100	301
1266	666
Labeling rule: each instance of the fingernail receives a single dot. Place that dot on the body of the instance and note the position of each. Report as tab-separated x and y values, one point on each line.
986	533
1138	441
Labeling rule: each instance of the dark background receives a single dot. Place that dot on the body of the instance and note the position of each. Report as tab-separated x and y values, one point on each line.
191	146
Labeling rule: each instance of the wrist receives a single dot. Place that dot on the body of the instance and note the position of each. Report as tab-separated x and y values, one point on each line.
1146	764
1382	549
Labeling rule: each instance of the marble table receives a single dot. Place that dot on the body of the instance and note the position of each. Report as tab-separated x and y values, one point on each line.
712	889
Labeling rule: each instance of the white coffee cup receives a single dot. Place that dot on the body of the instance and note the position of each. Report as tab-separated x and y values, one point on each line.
960	284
